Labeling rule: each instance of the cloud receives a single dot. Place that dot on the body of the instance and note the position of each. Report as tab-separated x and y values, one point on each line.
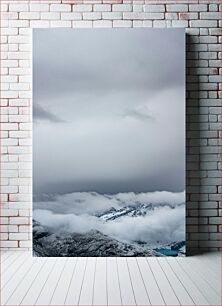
92	202
40	113
163	224
124	103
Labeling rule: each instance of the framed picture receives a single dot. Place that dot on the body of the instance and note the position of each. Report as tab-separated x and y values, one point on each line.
109	142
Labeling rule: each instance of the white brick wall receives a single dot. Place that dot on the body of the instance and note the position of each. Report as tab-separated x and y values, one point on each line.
201	20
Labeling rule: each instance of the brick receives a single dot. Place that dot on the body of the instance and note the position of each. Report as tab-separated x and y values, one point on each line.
203	23
102	24
180	23
122	8
122	23
112	15
29	15
39	24
8	244
37	7
82	24
92	15
9	126
102	7
18	236
82	8
60	23
71	16
207	15
52	16
197	7
60	8
18	7
177	8
18	220
135	15
154	8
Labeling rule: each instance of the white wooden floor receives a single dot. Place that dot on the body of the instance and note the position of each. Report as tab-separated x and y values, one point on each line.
110	281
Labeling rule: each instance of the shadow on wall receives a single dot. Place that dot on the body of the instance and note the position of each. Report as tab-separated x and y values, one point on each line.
193	143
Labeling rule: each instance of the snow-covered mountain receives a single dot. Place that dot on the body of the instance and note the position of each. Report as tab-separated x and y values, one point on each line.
137	210
46	243
124	224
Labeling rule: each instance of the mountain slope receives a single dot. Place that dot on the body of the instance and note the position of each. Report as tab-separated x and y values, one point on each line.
93	243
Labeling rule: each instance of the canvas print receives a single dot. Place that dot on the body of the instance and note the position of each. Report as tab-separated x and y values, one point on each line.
109	142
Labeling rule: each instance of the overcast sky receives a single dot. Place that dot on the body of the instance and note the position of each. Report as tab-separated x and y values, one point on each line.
109	110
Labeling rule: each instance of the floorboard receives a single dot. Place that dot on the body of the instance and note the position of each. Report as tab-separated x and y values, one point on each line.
28	280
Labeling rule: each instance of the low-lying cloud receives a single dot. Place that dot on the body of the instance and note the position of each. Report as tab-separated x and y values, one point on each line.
163	224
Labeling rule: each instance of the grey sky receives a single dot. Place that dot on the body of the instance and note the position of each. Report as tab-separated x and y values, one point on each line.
109	110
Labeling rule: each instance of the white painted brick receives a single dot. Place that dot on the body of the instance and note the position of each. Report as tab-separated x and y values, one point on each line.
19	39
71	16
9	31
4	220
9	228
9	189
60	8
18	236
82	24
29	15
102	24
135	15
177	8
92	15
60	23
9	63
19	118
9	142
4	7
197	7
161	23
18	7
112	15
154	8
8	244
39	24
24	212
122	23
171	16
13	47
20	181
180	23
82	8
9	94
13	158
18	23
24	229
9	173
9	126
19	102
208	15
137	8
147	23
18	220
102	7
20	71
9	78
37	7
51	16
213	7
122	8
25	244
136	23
203	23
19	150
19	86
